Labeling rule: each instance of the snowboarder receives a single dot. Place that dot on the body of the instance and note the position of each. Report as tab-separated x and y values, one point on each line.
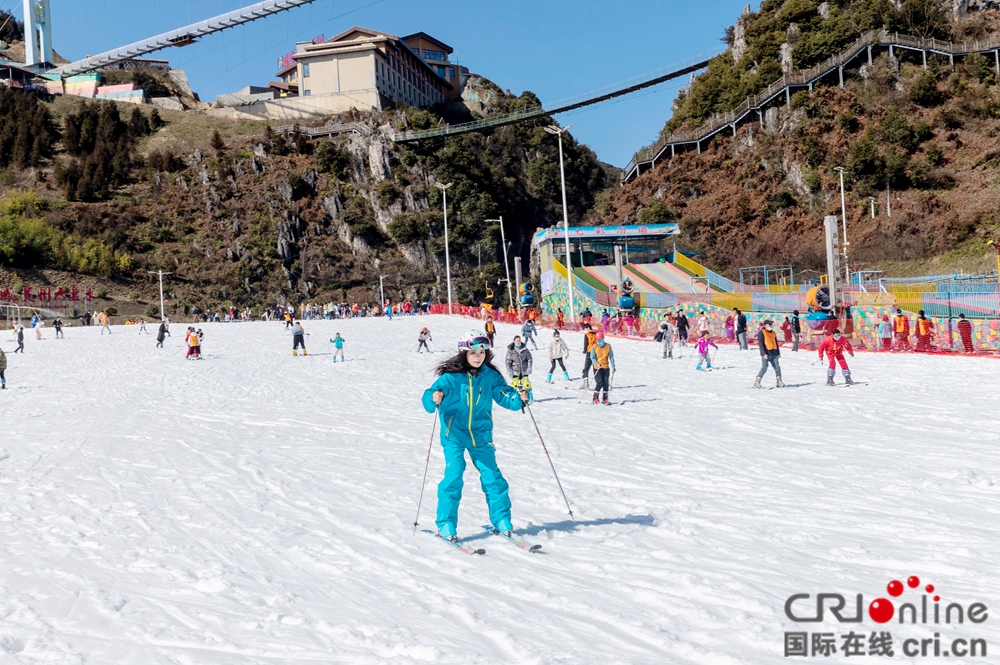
704	342
162	333
469	373
965	332
834	346
666	333
741	329
491	329
519	364
528	329
589	339
298	338
422	338
901	328
767	341
796	330
3	368
557	352
603	358
338	347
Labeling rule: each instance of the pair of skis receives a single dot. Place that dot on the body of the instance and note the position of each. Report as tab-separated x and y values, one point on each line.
462	547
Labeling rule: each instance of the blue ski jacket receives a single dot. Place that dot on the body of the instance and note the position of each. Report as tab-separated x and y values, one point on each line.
466	411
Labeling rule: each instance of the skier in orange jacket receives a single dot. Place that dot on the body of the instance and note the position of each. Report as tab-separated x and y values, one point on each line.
834	346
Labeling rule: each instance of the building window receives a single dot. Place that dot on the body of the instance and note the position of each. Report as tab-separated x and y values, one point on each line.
451	72
305	70
433	55
307	93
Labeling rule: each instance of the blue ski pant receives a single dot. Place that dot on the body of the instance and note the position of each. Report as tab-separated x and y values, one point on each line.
450	488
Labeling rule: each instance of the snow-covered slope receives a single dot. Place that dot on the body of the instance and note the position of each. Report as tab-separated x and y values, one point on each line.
257	508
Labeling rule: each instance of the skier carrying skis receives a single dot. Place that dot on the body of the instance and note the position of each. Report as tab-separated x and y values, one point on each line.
528	329
471	373
298	338
557	351
519	364
767	341
338	347
603	358
834	346
162	333
704	342
666	332
422	338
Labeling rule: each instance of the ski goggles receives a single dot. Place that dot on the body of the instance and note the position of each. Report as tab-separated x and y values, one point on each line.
482	342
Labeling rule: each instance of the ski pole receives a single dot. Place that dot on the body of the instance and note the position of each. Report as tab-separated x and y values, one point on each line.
533	422
427	464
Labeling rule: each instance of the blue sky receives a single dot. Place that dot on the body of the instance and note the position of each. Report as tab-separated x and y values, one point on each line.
557	50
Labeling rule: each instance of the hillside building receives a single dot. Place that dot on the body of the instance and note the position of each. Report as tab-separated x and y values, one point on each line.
363	69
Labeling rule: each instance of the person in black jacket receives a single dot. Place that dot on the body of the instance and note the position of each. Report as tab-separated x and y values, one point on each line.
20	339
162	333
796	330
741	328
682	328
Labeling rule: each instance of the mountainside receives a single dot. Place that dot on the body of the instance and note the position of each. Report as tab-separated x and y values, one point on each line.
243	216
929	137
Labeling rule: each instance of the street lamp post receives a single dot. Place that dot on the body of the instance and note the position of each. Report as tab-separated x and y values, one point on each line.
554	129
506	265
447	257
381	291
843	212
161	274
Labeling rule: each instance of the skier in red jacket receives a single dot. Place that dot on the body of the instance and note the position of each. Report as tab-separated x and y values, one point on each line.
834	346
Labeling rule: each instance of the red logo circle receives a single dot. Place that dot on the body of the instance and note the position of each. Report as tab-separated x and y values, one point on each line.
881	610
895	588
913	581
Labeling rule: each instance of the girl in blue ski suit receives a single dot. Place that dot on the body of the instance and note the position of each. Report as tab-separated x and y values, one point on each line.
464	392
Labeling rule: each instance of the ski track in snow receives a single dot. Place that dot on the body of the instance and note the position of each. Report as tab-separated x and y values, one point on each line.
257	507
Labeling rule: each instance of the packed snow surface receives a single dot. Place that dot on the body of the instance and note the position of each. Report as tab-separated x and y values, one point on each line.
255	507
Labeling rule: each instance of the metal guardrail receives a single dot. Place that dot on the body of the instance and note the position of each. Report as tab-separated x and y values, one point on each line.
328	129
754	103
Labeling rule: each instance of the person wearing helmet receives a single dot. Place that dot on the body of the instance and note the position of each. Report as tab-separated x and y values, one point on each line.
834	346
422	338
767	341
466	387
528	330
603	359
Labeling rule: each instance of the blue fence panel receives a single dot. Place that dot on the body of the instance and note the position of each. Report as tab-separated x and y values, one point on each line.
973	305
661	300
775	302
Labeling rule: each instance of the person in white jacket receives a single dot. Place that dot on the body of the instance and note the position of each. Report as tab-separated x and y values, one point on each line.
557	352
667	331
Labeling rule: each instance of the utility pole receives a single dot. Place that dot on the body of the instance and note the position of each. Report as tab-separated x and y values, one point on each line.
843	212
161	274
554	129
506	265
381	291
447	258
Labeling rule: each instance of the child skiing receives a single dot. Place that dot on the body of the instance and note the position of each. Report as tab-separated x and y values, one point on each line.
519	365
338	347
702	346
422	338
834	347
767	342
471	373
298	338
557	351
603	359
528	329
